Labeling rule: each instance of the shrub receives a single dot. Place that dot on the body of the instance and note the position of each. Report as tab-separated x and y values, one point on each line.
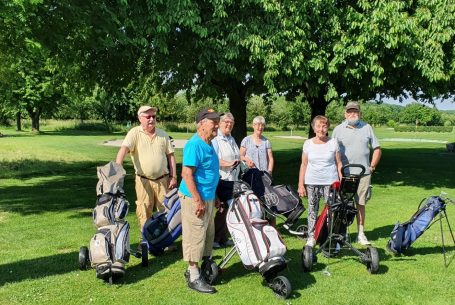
423	128
447	123
391	123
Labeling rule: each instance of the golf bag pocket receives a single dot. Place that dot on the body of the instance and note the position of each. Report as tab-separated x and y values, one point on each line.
110	244
100	247
109	209
273	241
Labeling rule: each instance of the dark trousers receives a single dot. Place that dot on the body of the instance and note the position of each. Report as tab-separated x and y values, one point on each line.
221	230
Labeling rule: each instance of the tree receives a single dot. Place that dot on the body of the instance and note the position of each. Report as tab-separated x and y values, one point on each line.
355	49
200	46
419	114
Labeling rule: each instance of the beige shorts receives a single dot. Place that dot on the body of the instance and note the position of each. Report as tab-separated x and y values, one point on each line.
361	195
197	233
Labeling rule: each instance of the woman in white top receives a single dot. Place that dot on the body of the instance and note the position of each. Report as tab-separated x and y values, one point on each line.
229	156
320	167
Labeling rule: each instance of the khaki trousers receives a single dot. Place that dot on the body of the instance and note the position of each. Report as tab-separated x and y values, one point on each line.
150	196
197	233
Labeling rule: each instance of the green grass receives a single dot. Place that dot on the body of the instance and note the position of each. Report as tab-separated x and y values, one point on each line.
47	192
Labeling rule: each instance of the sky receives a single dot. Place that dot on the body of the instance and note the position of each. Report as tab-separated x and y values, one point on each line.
441	105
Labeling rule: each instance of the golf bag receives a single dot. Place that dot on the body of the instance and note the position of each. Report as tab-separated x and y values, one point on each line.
404	234
256	241
163	228
279	199
109	249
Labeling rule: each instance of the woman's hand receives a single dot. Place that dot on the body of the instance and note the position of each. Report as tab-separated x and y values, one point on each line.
249	163
301	190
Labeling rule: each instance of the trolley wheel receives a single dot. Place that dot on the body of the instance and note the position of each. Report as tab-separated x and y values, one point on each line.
307	258
144	255
281	287
372	260
84	259
210	270
303	229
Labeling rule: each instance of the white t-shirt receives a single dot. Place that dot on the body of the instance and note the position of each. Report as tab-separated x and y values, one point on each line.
321	168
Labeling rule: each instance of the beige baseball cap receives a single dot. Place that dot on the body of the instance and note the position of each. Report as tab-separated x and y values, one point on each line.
146	108
352	105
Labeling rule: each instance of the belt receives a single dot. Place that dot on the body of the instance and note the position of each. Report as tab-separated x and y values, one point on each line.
160	177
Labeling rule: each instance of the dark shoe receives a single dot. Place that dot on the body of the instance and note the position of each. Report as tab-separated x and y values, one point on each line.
201	286
171	248
186	274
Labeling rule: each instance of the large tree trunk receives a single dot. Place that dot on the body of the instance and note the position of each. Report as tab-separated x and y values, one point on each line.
318	106
34	115
18	121
236	92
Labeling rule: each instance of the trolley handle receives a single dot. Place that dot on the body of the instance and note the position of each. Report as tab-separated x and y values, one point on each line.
359	166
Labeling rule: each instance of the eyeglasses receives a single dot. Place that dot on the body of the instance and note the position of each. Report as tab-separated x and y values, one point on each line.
228	121
148	116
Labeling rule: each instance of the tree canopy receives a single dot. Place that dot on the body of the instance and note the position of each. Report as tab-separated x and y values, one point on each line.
312	52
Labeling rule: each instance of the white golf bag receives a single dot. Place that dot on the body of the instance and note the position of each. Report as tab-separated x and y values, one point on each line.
255	240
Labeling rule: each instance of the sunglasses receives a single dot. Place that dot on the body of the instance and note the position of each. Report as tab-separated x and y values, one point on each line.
148	116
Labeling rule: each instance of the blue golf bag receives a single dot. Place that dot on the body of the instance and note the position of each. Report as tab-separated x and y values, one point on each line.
163	228
404	234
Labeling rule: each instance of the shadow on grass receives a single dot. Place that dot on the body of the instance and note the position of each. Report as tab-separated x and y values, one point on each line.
156	264
427	168
38	267
298	279
54	186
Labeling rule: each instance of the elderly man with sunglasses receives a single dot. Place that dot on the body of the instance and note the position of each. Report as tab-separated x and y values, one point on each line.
358	143
153	158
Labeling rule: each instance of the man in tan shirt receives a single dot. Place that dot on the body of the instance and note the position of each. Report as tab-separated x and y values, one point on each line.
153	158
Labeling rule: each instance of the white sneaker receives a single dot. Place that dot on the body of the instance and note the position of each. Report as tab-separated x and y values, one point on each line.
362	239
311	242
216	245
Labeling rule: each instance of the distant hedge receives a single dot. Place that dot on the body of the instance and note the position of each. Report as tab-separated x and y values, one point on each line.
423	128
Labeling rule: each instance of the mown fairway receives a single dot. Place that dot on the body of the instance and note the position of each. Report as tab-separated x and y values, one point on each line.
47	192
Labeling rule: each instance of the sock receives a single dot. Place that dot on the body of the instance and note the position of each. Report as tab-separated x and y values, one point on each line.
194	273
360	229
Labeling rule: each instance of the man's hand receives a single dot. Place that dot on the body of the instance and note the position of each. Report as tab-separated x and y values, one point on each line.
172	183
200	208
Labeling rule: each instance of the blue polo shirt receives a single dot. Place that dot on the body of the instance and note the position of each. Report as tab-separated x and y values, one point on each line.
203	157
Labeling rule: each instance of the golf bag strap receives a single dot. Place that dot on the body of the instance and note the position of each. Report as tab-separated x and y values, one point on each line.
399	240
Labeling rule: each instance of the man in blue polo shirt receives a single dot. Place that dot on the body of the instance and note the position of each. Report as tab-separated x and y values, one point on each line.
197	196
356	138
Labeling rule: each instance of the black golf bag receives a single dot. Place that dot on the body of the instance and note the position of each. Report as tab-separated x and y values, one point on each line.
278	199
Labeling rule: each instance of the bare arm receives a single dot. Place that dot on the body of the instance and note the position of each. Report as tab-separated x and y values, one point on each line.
225	163
187	176
339	165
301	188
172	170
243	157
271	160
377	153
123	151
